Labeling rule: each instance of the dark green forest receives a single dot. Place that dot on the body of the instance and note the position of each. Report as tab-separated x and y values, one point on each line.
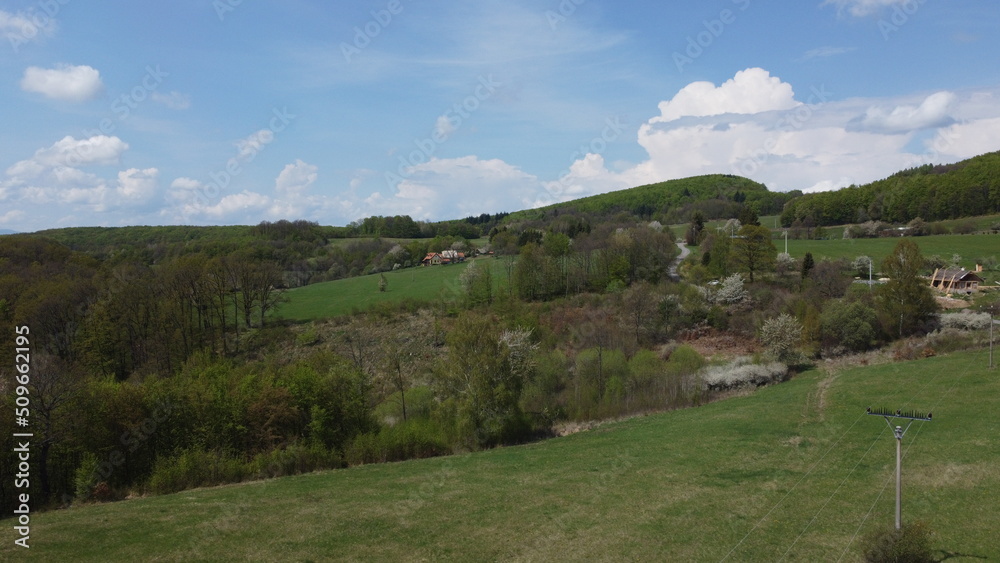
930	192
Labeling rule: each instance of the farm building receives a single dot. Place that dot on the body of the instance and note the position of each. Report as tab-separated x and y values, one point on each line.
955	281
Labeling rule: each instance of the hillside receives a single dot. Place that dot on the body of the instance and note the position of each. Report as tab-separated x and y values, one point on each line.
932	193
673	199
793	471
340	297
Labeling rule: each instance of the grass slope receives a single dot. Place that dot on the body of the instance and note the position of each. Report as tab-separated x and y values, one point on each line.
341	297
793	471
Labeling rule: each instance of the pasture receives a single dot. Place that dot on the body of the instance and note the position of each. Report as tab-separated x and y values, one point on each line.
793	472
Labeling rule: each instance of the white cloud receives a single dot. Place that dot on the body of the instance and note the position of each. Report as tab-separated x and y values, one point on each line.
69	151
787	143
456	187
243	203
861	8
824	52
65	82
295	179
173	100
20	28
444	127
933	112
136	185
751	91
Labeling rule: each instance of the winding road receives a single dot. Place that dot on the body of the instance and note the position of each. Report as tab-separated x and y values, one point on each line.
685	251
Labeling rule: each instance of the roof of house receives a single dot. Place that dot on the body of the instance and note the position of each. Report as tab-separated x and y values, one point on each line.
947	274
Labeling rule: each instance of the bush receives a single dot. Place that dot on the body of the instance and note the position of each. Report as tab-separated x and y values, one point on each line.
966	320
412	439
195	468
742	373
295	459
85	477
910	544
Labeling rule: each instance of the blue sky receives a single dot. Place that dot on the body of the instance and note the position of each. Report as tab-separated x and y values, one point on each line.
234	112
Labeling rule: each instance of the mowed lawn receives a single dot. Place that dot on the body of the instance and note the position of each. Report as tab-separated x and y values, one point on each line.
341	297
793	472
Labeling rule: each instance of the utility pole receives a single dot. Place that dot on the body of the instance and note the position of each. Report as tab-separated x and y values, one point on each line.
992	322
898	432
786	241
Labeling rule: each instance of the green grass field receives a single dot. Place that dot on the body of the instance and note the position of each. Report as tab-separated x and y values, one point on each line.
793	472
341	297
969	247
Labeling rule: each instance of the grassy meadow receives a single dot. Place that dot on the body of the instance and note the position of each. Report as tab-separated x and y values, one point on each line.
341	297
792	472
969	247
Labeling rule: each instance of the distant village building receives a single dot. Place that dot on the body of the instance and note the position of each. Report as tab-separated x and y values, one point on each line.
956	281
443	257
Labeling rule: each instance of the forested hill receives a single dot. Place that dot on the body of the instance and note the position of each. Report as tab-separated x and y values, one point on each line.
931	192
716	195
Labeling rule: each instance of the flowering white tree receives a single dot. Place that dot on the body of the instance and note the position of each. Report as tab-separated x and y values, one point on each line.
780	335
731	290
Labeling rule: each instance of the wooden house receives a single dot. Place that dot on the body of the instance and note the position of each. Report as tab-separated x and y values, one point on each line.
955	280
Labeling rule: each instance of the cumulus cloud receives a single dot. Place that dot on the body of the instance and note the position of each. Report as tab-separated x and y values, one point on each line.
753	126
933	112
53	177
295	179
136	185
174	100
69	151
65	82
751	91
454	187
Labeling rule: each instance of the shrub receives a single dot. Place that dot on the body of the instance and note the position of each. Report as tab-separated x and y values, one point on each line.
412	439
742	373
85	477
295	459
910	544
195	468
850	326
966	320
